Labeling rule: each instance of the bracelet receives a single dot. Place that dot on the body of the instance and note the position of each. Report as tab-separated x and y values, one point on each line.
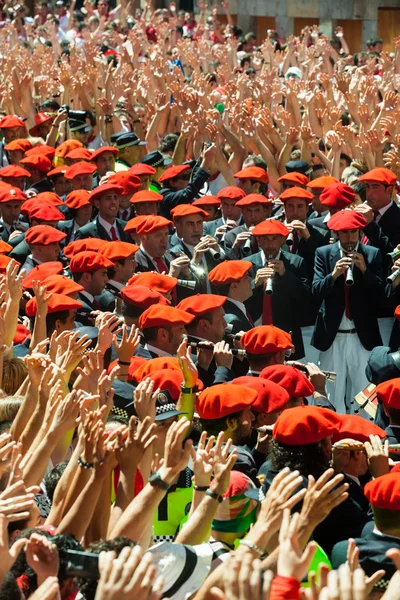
125	364
214	495
108	118
200	488
253	547
191	390
84	464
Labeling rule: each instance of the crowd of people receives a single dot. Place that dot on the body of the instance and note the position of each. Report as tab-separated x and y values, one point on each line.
199	308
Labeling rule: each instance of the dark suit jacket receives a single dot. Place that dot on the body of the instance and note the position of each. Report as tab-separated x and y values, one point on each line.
96	230
201	285
318	222
385	235
393	437
229	240
290	299
68	228
144	264
306	249
363	297
235	317
185	196
84	315
211	226
108	297
21	251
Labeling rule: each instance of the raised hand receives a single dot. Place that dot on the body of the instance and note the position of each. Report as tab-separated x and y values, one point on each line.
42	556
139	439
130	340
292	562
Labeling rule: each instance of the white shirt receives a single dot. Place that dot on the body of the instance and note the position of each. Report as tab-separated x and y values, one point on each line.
353	478
240	305
116	284
107	226
87	295
158	351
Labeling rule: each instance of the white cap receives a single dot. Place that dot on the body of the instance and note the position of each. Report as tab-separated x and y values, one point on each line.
293	71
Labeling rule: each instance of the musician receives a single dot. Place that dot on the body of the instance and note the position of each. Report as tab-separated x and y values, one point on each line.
388	393
316	187
293	179
239	242
211	205
130	185
157	282
106	225
162	328
231	214
334	197
136	299
146	202
285	275
153	253
231	279
80	209
122	255
265	345
298	385
252	180
346	329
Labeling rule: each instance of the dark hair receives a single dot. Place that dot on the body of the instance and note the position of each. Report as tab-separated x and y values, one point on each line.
194	324
150	333
345	118
51	319
386	518
246	58
215	426
346	157
5	426
394	415
308	459
129	310
52	479
114	418
168	142
222	290
360	188
9	588
259	361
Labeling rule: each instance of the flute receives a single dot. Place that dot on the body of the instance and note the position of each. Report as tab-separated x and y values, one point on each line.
360	447
269	286
330	375
349	274
204	345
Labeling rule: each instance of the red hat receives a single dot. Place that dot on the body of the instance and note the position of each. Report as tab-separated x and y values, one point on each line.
12	194
39	119
224	399
10	121
4	247
21	334
129	183
80	154
37	161
41	272
104	189
296	192
103	149
384	492
146	196
388	393
57	303
266	339
136	362
59	284
142	297
173	172
32	203
65	147
142	169
12	171
185	210
271	397
357	428
337	195
296	178
254	174
80	168
322	182
91	244
270	227
118	250
42	149
4	262
232	192
201	304
159	316
347	220
207	201
50	198
154	281
229	271
77	199
305	425
61	170
397	312
45	212
18	144
291	379
133	224
44	235
151	224
156	364
380	175
87	261
254	199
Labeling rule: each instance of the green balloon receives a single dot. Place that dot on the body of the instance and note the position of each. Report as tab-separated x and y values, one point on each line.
320	556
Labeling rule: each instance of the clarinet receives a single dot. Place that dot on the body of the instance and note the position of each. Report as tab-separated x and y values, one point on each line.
349	274
269	286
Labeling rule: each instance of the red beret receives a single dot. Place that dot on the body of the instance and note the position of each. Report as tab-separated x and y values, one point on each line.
154	281
156	364
50	198
60	284
142	169
4	247
388	393
118	250
129	183
271	397
28	206
296	192
43	150
103	149
297	178
12	194
159	316
229	271
146	196
87	261
65	147
384	492
294	381
39	119
173	172
142	297
305	425
10	121
91	244
61	170
201	304
104	189
80	168
207	201
12	171
44	235
18	144
77	199
151	224
45	212
57	303
270	227
79	154
37	161
266	339
346	220
41	272
133	224
21	334
224	399
232	192
322	182
185	210
4	262
253	199
397	312
254	174
356	428
337	195
379	175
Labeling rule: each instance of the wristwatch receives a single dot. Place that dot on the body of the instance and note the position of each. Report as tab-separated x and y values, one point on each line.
214	495
156	481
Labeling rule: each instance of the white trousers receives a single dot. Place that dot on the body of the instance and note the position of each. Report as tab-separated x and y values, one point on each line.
385	328
348	358
311	354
